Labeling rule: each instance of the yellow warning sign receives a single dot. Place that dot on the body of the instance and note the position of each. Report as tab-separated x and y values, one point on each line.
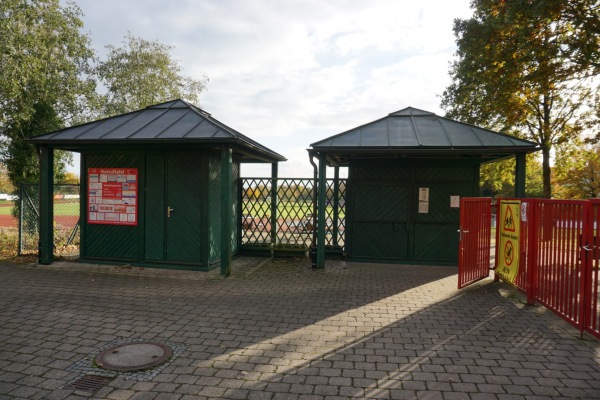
509	234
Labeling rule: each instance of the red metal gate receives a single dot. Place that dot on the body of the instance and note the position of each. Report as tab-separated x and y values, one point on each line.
474	242
560	263
591	246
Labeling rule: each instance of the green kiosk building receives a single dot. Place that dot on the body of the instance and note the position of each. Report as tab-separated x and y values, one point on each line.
158	187
406	175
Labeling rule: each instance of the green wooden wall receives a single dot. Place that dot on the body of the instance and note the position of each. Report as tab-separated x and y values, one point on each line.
386	222
188	236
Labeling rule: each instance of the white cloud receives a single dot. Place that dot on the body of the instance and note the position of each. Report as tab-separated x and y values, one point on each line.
288	72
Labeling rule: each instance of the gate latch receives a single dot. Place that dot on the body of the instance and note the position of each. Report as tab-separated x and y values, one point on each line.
461	232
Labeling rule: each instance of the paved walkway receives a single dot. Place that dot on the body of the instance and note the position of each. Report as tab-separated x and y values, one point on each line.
279	330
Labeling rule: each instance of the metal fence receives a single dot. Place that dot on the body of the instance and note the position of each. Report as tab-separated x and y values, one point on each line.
291	230
560	259
291	201
66	218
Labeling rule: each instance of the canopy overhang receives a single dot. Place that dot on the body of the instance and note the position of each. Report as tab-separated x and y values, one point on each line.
419	134
173	125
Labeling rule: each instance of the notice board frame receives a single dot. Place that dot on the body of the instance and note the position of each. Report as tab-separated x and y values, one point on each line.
113	196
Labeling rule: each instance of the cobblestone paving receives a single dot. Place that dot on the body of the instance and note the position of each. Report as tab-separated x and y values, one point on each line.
276	329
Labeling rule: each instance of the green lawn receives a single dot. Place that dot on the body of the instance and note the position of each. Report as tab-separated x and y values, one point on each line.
60	208
5	207
66	208
286	209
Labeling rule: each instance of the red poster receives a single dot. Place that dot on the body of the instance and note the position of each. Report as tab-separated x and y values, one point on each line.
112	196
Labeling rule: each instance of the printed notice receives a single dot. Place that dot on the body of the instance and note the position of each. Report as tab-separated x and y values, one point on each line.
112	196
509	246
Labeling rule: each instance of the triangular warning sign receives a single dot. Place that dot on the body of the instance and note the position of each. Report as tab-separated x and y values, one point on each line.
509	220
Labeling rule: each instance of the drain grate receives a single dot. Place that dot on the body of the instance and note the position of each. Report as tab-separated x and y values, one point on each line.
89	383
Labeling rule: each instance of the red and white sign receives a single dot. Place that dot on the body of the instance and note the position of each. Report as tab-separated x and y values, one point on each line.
112	196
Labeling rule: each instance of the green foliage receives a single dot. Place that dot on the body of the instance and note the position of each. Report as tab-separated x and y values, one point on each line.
142	73
526	67
5	185
44	61
579	176
497	179
48	79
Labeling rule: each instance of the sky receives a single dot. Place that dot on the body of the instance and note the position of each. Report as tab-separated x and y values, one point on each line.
288	73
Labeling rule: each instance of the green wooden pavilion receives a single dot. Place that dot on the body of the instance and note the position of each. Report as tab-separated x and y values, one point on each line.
158	187
406	175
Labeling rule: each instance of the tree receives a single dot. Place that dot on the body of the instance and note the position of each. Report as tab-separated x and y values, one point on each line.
5	185
521	70
45	63
70	178
497	179
580	177
142	73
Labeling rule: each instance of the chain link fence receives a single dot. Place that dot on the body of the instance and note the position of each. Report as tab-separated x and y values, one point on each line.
66	219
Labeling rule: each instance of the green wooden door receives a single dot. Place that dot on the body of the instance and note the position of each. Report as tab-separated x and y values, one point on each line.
173	209
381	226
184	189
381	222
390	221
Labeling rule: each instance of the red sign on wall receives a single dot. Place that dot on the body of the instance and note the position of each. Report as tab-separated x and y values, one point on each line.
112	196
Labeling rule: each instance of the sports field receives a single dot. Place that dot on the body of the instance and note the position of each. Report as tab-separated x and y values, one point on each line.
6	219
66	213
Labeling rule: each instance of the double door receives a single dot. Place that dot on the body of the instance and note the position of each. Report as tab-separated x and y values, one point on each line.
407	213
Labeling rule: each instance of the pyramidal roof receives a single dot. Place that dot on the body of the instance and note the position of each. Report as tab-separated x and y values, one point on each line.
414	130
175	122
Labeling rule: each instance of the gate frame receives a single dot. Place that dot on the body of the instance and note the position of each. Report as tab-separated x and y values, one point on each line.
583	241
474	264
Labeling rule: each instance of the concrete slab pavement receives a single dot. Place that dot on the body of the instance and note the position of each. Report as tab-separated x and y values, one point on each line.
276	329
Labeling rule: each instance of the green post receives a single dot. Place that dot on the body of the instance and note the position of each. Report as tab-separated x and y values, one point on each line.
336	203
21	226
274	204
46	240
520	175
321	205
226	210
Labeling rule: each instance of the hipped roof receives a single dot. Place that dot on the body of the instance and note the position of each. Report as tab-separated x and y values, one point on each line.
169	124
417	133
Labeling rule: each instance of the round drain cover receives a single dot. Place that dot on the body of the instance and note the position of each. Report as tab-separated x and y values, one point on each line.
133	356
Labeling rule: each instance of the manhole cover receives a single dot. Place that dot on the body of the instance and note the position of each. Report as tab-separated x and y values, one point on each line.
133	356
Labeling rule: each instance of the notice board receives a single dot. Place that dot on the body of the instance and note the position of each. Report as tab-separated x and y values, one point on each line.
112	196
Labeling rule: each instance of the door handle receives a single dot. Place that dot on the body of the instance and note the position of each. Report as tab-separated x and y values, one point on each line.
169	211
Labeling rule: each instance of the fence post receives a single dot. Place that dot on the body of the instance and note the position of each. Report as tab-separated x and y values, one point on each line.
532	251
20	246
274	204
586	255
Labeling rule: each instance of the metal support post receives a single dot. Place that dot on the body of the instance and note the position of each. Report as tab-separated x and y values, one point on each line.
274	205
336	203
46	240
226	209
321	205
520	174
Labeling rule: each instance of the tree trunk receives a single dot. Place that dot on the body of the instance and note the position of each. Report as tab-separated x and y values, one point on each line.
546	172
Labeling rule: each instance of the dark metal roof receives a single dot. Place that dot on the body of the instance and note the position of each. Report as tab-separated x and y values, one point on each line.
172	123
415	132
